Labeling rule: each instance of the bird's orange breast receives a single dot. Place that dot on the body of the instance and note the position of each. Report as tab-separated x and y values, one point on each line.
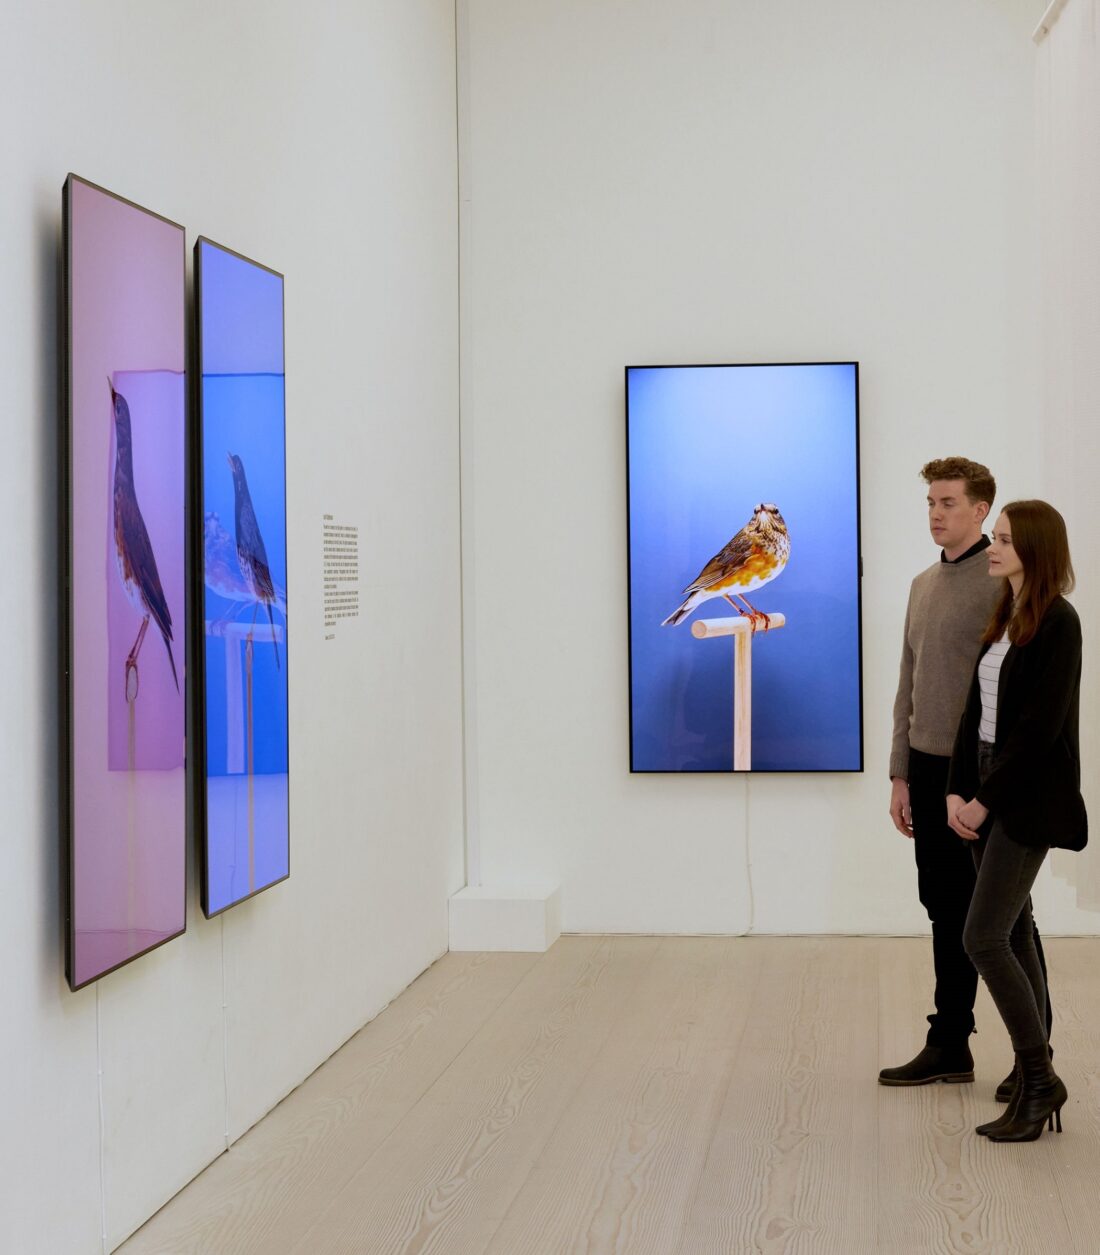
758	565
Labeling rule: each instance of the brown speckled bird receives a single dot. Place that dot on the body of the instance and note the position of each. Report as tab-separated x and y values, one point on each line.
137	565
251	552
753	558
222	570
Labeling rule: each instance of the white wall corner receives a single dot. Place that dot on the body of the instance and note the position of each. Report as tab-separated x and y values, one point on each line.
484	917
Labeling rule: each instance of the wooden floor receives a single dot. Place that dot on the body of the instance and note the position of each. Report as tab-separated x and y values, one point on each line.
664	1095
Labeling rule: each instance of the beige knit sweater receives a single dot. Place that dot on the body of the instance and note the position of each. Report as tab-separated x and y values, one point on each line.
950	605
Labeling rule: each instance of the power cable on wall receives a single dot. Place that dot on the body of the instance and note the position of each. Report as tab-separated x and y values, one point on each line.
471	845
225	1042
748	861
102	1127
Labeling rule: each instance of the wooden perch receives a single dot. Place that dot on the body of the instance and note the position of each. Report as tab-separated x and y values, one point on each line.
703	628
741	630
235	630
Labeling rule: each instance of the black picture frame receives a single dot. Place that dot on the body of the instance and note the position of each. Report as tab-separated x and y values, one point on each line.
69	835
633	768
197	640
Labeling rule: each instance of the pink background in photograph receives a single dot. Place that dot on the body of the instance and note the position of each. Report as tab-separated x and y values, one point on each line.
129	873
156	401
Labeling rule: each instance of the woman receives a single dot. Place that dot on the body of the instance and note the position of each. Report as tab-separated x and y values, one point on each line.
1014	789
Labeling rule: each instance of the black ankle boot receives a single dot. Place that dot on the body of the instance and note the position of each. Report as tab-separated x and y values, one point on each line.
1008	1086
1012	1080
953	1064
1039	1099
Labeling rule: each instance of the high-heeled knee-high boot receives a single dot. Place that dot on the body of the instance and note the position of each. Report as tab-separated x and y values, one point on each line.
1040	1097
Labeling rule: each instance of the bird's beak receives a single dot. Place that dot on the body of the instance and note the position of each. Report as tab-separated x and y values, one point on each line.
229	459
111	386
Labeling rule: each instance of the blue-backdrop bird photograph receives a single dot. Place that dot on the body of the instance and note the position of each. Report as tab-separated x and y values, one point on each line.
744	504
244	577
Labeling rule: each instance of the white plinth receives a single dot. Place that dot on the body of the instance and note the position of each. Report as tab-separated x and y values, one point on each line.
488	918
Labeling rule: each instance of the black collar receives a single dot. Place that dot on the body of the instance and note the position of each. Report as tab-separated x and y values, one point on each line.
975	548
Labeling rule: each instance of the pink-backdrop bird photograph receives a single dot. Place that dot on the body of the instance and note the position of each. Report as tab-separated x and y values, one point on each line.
125	629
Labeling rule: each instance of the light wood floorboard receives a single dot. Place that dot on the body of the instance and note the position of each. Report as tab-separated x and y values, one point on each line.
699	1096
276	1180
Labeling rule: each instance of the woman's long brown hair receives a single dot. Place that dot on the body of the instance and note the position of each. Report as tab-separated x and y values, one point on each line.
1042	545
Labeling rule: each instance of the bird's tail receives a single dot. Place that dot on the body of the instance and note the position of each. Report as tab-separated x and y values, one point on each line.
171	660
273	640
681	613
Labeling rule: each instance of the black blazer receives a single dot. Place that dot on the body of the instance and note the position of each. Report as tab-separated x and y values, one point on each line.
1034	788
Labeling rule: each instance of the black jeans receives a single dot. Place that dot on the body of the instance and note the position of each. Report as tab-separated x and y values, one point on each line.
946	876
1000	934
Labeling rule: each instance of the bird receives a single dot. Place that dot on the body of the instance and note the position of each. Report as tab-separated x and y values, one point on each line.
221	569
137	565
251	554
754	557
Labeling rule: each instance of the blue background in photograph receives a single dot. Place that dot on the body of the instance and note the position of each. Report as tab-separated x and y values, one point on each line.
236	412
244	413
706	444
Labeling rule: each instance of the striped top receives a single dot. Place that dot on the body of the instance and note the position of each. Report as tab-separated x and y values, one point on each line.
989	678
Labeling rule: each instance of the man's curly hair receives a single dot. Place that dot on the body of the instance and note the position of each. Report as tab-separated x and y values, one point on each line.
979	481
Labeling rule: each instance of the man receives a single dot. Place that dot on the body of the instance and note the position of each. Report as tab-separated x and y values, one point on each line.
950	605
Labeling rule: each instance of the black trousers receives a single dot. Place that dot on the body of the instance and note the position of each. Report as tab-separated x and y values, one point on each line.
945	883
1000	932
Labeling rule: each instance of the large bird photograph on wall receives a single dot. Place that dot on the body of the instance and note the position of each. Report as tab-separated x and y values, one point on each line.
242	800
123	562
744	568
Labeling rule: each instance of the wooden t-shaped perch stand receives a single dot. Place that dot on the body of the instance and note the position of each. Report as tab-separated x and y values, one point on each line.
741	631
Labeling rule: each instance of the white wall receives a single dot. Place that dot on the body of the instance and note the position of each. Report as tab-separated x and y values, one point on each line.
320	139
708	181
1068	174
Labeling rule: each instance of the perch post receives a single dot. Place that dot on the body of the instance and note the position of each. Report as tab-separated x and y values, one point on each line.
132	685
741	631
240	743
251	770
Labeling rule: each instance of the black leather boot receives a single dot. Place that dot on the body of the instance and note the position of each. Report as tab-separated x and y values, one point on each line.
1006	1118
953	1064
1039	1099
1007	1087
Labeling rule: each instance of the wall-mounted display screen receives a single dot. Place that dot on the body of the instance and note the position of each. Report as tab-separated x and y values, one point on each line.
240	516
744	565
122	526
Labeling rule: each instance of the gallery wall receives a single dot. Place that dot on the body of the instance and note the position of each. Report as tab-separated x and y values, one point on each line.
1068	179
715	182
638	183
322	142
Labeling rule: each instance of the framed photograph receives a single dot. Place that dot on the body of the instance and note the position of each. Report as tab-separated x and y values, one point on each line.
122	530
241	652
744	567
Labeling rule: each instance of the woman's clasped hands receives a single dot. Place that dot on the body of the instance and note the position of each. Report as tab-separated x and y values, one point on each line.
964	817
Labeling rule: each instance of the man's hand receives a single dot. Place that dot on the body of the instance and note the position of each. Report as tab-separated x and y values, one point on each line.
899	806
964	817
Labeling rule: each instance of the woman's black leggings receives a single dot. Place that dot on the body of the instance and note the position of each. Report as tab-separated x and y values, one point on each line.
999	935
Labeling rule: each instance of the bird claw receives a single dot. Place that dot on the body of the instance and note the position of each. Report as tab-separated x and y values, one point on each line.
131	680
752	614
756	616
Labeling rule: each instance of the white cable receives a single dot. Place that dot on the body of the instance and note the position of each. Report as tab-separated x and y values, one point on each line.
471	830
1047	20
225	1042
102	1129
748	862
